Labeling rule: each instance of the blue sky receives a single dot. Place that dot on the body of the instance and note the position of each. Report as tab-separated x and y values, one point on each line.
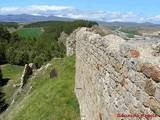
106	10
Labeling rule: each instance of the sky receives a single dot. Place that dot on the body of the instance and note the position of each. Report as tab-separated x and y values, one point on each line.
102	10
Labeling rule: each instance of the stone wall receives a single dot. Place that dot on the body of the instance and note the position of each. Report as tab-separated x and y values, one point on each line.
25	75
116	79
71	43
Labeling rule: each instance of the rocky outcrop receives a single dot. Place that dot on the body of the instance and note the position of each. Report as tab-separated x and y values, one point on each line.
116	78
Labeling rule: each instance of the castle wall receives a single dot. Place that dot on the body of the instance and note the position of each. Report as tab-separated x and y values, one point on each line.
115	77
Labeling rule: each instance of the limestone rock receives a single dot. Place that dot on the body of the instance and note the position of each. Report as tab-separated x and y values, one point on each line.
118	57
146	70
132	75
118	66
137	94
134	53
151	71
157	93
135	64
156	75
150	88
155	106
124	49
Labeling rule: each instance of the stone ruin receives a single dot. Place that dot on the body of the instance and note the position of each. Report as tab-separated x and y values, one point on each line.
33	66
28	69
115	76
25	75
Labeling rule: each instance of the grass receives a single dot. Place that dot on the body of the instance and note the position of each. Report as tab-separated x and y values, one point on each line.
133	32
50	99
29	32
130	32
13	73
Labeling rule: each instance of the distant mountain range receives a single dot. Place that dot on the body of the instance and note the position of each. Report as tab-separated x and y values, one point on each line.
117	23
30	18
34	18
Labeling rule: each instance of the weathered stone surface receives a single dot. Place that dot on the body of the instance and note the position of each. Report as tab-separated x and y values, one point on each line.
151	71
128	85
118	57
147	70
128	99
71	43
25	75
134	53
120	78
132	75
122	83
134	102
155	106
124	49
33	66
157	93
135	64
118	66
103	31
113	84
132	109
137	94
124	92
150	88
156	75
140	77
115	76
144	99
124	71
134	90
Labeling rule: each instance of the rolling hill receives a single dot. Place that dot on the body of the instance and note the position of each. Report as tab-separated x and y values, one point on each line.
30	18
49	98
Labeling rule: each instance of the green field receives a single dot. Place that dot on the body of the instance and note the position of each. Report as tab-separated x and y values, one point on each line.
29	32
49	99
13	73
130	32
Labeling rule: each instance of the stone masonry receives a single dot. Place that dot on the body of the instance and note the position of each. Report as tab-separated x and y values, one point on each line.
71	43
116	78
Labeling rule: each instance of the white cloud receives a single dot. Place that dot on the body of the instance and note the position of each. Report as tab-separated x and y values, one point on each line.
101	15
71	12
7	10
35	8
154	18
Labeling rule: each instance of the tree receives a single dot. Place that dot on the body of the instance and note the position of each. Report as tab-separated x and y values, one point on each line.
15	37
10	55
3	105
3	45
0	76
4	34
